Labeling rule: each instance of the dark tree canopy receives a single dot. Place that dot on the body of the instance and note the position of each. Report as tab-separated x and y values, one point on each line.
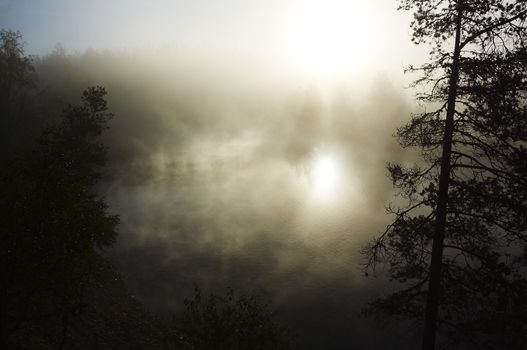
472	136
17	79
15	72
229	322
53	223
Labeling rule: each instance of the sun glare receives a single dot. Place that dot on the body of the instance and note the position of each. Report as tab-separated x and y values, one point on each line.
325	175
329	37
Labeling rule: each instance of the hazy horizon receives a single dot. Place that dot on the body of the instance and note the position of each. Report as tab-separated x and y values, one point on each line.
232	162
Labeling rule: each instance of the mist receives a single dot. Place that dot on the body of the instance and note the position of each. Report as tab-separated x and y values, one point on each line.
210	168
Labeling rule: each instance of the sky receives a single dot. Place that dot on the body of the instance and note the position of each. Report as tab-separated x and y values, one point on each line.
248	147
320	39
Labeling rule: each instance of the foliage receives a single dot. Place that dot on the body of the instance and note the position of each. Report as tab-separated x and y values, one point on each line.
52	222
16	80
229	322
15	69
483	294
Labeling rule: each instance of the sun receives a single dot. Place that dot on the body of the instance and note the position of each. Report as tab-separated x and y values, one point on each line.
329	37
325	175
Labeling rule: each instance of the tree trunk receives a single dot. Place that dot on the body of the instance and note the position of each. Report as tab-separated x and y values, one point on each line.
434	284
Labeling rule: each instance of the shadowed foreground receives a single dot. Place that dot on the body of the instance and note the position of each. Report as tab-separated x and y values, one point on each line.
110	319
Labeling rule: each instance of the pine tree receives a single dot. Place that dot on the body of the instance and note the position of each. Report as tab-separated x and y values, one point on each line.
459	246
53	224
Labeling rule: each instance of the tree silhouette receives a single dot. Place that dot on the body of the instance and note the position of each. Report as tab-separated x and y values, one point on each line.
15	70
52	222
229	322
459	244
16	79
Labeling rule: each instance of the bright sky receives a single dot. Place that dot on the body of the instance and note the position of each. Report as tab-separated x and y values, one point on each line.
318	37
